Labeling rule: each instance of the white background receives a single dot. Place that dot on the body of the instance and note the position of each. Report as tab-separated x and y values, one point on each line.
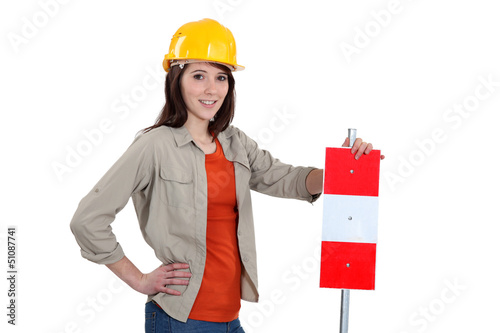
66	67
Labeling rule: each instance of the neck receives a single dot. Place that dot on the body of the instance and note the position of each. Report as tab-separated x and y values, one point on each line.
198	130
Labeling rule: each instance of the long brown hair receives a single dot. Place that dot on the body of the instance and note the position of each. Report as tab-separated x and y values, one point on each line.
174	113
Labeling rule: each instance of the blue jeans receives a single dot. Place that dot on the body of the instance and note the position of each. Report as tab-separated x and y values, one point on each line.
158	321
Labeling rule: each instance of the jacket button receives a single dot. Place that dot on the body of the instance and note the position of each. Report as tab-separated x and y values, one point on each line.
245	259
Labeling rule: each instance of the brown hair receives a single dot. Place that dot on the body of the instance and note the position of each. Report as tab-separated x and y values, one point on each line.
174	113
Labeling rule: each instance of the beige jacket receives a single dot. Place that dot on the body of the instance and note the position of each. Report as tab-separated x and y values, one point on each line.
164	173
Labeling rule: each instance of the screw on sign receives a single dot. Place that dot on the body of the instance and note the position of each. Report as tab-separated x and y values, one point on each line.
350	217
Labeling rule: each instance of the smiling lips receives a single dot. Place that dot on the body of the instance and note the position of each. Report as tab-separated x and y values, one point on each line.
207	102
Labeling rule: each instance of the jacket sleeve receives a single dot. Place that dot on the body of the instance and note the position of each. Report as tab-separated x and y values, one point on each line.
91	223
272	177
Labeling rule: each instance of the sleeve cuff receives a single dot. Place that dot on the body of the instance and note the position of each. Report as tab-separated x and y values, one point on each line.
314	197
303	189
105	258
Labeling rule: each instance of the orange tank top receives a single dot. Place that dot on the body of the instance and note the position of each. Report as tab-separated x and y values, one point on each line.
219	297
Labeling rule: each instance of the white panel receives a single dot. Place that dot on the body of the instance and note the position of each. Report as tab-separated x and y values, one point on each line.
348	218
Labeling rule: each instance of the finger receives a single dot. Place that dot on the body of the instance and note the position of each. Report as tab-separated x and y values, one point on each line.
356	145
361	150
177	282
169	291
368	149
179	274
382	157
346	142
174	266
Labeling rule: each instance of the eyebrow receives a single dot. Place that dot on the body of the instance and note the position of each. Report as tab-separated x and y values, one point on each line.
201	70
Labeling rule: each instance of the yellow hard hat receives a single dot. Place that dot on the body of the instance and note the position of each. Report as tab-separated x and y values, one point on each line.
204	40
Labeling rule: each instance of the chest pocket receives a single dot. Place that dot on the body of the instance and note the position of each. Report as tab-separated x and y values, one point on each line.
176	188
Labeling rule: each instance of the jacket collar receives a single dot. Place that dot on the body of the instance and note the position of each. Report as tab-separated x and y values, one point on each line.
227	133
181	136
233	149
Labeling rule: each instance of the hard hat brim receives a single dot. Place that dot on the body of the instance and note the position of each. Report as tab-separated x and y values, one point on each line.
168	63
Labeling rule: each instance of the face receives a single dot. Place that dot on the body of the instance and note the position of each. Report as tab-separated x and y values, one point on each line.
203	88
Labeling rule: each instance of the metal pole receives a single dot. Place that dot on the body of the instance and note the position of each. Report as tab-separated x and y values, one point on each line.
351	133
346	295
344	311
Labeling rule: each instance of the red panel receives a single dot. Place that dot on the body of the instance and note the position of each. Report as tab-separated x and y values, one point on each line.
364	178
348	265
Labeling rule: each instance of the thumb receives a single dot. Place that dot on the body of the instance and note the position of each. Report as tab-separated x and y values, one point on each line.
346	142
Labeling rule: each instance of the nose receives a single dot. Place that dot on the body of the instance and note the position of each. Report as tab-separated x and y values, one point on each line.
211	87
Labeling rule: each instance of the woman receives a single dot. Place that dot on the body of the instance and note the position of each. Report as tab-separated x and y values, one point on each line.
190	176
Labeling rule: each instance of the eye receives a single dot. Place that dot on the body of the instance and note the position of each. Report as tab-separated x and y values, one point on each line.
198	77
222	78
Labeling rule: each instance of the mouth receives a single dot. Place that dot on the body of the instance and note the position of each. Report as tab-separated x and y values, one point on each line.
207	102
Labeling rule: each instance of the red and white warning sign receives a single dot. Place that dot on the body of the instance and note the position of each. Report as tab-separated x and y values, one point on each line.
350	217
